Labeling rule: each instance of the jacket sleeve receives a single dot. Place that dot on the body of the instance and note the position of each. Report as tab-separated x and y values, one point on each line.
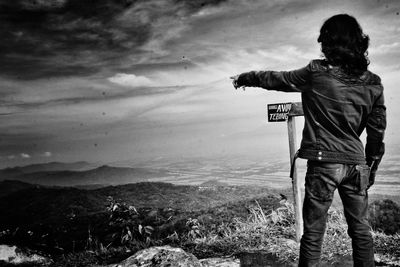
376	125
285	81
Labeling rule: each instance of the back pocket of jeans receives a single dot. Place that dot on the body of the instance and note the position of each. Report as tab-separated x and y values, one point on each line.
362	178
318	188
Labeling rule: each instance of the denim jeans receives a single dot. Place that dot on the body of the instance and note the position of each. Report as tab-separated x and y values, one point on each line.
322	179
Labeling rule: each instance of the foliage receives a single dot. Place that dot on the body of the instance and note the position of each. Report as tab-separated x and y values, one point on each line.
196	230
124	219
62	219
275	233
87	227
387	244
385	216
89	258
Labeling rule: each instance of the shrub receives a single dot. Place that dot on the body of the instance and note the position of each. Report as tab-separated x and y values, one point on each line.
128	230
385	216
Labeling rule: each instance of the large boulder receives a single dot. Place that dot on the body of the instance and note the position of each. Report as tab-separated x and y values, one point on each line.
16	256
160	257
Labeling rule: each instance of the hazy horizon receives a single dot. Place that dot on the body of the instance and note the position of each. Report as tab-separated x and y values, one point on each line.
130	82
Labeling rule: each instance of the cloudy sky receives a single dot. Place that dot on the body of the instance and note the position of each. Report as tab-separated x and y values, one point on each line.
140	80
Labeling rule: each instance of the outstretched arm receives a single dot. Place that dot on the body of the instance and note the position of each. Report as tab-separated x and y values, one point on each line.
286	81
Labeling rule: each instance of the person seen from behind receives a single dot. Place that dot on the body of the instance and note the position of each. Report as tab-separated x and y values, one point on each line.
341	98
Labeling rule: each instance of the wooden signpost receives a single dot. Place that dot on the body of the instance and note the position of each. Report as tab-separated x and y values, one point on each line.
288	112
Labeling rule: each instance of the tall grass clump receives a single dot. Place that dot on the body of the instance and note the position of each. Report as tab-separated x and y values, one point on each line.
273	232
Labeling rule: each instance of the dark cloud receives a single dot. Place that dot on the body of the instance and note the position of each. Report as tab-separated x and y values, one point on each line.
195	5
99	97
78	37
145	68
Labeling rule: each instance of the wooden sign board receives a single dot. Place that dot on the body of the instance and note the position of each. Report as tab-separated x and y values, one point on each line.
282	111
288	112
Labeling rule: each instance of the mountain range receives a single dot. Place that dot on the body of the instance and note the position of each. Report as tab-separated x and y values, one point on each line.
78	174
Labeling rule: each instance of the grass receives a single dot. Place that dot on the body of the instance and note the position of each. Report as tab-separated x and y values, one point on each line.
387	247
269	230
271	233
274	232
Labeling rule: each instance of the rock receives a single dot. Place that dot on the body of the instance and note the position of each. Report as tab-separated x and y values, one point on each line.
220	262
160	257
15	255
173	257
166	256
290	243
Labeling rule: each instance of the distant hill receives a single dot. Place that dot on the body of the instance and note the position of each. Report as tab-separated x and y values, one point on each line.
52	176
8	187
9	173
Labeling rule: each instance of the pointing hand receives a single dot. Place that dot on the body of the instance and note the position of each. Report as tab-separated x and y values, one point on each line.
235	82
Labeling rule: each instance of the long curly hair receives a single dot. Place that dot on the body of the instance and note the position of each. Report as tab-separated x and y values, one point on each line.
344	44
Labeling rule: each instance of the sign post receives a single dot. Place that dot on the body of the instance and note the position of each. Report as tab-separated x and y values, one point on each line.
288	112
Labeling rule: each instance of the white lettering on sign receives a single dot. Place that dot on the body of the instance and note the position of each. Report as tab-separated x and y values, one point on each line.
279	112
278	117
284	107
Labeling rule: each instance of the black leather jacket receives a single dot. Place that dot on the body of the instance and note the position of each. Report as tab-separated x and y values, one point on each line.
337	108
